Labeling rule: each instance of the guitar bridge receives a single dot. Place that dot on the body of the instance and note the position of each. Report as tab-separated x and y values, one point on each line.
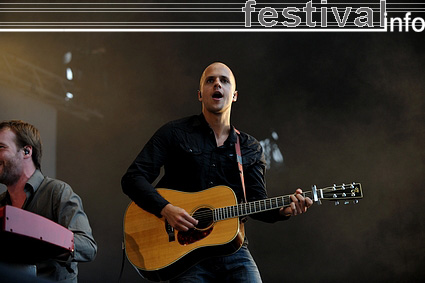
170	232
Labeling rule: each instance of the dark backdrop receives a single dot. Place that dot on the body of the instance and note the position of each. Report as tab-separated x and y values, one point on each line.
346	106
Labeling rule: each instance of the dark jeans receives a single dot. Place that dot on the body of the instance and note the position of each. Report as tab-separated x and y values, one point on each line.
238	267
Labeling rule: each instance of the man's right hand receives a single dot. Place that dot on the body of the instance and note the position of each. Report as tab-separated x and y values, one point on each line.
178	218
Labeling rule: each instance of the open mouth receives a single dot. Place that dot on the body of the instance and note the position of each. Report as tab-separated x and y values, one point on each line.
217	95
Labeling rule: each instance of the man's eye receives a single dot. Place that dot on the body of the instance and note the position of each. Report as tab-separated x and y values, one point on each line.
224	80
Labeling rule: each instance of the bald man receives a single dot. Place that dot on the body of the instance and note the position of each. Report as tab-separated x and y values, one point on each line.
198	153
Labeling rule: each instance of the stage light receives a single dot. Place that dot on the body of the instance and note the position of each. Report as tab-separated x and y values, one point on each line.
272	153
69	74
69	96
67	57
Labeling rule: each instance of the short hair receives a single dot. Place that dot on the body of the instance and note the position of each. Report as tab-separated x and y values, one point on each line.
26	134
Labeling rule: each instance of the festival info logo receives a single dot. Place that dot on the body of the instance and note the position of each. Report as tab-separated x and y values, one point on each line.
200	16
330	17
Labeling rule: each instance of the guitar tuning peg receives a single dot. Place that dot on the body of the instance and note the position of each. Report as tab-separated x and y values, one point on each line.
346	202
356	201
336	202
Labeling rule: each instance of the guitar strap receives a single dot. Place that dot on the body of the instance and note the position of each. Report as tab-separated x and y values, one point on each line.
239	159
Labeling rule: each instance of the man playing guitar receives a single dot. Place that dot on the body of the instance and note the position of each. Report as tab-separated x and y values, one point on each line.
198	153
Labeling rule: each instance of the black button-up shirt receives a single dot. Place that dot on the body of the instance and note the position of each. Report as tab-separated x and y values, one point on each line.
192	162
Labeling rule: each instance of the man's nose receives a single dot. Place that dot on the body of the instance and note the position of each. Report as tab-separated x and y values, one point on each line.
217	83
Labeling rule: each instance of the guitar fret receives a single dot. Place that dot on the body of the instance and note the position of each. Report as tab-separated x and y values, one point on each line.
244	209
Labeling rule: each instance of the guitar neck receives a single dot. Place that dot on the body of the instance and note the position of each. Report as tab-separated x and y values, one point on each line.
248	208
335	193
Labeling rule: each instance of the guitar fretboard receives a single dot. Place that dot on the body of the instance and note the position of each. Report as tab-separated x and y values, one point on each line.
244	209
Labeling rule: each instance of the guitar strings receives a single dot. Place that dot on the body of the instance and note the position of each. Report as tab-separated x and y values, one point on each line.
243	209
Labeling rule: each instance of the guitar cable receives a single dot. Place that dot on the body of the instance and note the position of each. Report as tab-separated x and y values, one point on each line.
123	261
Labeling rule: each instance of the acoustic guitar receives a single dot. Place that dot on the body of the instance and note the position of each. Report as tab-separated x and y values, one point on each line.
159	253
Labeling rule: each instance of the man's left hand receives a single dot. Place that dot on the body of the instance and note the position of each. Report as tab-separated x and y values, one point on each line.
298	205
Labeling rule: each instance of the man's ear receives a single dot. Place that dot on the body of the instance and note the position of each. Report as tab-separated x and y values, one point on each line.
235	96
199	95
27	151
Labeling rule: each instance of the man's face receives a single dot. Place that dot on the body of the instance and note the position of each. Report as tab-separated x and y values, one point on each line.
217	88
10	158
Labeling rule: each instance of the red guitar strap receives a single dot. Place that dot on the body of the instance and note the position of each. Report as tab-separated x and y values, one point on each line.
239	159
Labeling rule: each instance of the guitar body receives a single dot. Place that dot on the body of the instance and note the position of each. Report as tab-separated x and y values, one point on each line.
159	253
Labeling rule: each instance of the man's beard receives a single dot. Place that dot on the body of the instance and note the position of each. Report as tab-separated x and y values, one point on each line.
10	172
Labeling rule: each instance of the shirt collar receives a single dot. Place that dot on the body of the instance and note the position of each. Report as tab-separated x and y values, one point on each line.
204	124
201	121
35	180
31	187
232	135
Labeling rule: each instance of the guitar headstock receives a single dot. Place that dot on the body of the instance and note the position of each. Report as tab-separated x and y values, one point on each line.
337	193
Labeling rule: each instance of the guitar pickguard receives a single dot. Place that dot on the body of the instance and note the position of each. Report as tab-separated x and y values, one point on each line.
192	236
203	229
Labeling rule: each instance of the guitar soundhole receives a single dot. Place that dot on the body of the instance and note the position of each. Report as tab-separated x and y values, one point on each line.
203	229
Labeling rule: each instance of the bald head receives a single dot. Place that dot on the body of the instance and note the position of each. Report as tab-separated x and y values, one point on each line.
215	66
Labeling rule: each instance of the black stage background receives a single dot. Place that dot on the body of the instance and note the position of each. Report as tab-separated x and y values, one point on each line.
347	107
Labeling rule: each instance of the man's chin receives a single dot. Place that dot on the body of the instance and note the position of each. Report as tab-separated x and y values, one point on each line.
8	180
